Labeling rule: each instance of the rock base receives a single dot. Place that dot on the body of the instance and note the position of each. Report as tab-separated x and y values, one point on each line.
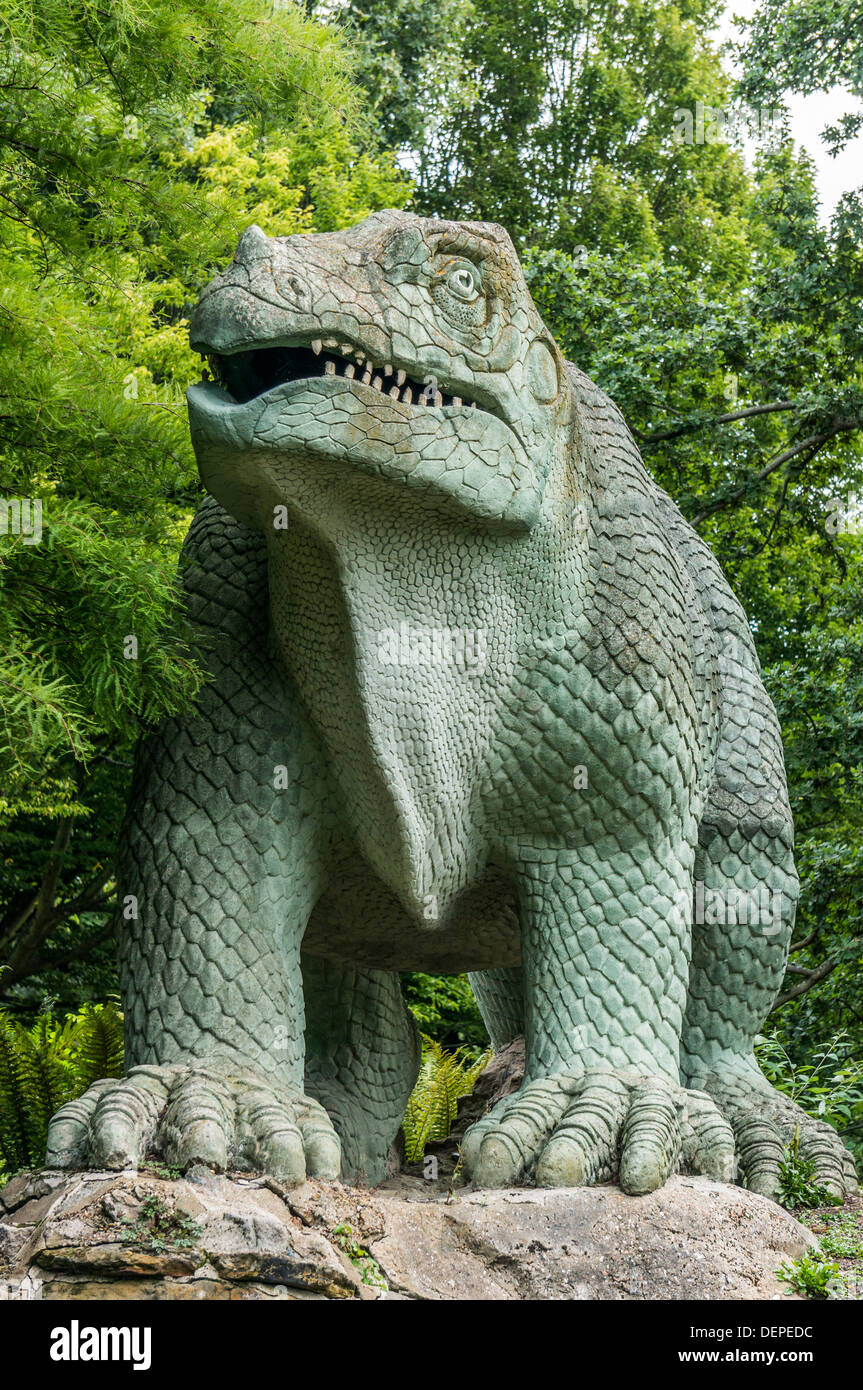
144	1236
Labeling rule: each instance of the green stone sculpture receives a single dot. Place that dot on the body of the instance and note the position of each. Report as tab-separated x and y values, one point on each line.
481	701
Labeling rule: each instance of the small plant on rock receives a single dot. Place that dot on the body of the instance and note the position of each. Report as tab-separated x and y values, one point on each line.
160	1227
798	1186
369	1270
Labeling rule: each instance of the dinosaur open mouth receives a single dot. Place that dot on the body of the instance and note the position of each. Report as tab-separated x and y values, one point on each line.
257	370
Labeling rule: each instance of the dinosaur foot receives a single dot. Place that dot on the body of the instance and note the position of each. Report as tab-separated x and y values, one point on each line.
766	1123
201	1112
574	1131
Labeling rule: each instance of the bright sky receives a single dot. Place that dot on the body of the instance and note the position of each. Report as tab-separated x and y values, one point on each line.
809	115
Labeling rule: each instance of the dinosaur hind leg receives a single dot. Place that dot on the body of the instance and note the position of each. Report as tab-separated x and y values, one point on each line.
362	1059
746	891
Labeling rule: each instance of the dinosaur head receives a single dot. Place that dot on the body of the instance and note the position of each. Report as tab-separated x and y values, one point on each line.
404	347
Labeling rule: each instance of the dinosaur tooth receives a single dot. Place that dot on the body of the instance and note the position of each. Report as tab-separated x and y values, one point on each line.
438	399
407	396
377	383
345	349
388	369
329	369
456	400
350	369
317	345
367	374
331	342
394	392
401	377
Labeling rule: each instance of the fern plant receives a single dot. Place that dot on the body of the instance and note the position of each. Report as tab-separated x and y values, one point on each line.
44	1066
444	1077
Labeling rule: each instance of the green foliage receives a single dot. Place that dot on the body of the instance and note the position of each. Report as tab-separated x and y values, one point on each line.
109	236
138	141
160	1227
559	121
368	1267
806	46
841	1236
431	1111
810	1276
445	1008
798	1186
44	1066
410	58
828	1085
169	1172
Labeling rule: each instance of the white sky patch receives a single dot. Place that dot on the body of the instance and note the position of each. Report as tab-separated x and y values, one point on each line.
808	117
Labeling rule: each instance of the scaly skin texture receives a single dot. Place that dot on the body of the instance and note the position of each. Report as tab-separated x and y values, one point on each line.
482	701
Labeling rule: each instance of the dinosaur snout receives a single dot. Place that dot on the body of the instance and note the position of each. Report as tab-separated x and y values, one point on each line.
252	246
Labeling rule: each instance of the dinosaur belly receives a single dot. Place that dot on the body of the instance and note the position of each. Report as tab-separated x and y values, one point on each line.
402	676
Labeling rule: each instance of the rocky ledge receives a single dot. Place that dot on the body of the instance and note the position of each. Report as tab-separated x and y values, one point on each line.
150	1235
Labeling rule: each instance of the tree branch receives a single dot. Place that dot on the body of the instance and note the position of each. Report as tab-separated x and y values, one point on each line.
798	945
813	442
66	958
22	911
23	959
726	419
810	978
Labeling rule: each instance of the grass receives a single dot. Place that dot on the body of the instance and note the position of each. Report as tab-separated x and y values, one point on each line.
835	1269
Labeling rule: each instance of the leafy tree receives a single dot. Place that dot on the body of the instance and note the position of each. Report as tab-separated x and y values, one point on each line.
806	46
410	56
137	142
564	123
444	1007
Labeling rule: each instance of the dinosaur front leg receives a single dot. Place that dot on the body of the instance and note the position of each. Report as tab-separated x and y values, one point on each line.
606	953
219	867
213	994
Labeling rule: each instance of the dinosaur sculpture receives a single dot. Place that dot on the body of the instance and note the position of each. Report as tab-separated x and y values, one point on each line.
481	701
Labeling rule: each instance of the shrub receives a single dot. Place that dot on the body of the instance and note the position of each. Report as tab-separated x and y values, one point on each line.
44	1066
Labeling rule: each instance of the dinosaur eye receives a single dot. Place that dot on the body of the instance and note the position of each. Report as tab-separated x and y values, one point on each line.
463	282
